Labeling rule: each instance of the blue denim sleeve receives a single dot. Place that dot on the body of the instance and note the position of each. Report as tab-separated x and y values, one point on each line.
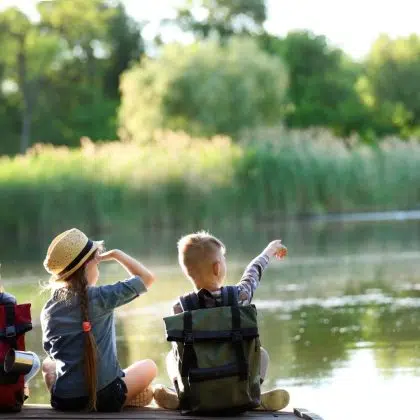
113	295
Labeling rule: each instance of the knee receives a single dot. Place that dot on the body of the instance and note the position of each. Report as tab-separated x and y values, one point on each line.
48	365
151	367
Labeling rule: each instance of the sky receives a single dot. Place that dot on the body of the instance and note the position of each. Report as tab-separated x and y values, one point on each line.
351	25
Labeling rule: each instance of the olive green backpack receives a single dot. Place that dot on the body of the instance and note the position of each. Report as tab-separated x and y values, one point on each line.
218	354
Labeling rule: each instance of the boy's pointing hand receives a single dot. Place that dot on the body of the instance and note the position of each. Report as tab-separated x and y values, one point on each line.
276	249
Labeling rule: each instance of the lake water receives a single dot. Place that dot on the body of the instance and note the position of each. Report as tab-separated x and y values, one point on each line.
340	316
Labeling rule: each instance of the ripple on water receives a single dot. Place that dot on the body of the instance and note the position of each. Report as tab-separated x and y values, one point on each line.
338	302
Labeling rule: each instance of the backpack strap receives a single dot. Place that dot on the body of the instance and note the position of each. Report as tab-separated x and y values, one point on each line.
189	359
237	341
189	302
10	332
229	296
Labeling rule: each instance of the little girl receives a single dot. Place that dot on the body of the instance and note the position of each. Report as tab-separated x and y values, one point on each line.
82	370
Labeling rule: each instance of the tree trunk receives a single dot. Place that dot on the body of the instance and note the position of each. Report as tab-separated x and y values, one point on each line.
25	135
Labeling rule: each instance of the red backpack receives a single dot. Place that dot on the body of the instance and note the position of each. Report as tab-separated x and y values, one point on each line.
15	321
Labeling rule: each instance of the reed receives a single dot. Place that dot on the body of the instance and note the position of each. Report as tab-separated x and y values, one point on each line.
191	183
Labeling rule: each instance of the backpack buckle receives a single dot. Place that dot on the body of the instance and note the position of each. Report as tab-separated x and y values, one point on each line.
10	331
188	337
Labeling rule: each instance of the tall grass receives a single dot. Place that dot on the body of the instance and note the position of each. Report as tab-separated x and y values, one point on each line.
180	181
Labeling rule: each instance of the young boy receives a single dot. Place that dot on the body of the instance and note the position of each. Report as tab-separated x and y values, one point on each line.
202	259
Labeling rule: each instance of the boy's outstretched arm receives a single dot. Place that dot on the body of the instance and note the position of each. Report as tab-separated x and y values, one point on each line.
252	275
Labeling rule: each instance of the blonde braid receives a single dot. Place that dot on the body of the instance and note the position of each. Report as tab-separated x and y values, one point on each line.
77	284
90	350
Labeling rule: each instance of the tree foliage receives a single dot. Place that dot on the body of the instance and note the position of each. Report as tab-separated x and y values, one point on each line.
203	89
28	55
60	76
322	83
224	18
126	46
391	83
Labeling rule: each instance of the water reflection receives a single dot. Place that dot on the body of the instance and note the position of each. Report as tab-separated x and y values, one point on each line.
347	299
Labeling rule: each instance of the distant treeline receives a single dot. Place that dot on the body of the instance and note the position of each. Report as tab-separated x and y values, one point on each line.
82	70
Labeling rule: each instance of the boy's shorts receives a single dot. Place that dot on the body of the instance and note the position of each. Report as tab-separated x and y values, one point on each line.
109	399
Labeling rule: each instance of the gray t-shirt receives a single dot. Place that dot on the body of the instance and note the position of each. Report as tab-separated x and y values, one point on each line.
63	337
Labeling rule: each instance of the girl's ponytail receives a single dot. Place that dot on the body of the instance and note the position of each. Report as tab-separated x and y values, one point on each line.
90	350
77	285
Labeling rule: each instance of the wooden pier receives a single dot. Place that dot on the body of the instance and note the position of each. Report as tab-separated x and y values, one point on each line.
42	411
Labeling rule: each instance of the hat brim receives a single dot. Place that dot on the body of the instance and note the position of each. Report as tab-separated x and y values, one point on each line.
96	245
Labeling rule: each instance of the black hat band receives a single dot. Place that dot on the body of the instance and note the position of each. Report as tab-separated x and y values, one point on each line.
79	258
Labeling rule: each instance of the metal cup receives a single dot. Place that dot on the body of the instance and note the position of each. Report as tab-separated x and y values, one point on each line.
17	361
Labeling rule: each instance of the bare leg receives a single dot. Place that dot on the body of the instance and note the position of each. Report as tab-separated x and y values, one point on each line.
48	372
171	366
275	399
265	359
138	377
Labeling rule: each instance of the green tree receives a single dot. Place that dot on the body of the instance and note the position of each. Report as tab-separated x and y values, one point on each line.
82	25
99	41
391	83
9	115
27	53
322	83
83	29
203	89
60	76
125	45
224	18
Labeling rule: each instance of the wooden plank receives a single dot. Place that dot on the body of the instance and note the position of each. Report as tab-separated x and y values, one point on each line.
43	411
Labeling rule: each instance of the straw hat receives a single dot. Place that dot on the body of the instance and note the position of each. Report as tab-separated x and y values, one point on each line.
68	252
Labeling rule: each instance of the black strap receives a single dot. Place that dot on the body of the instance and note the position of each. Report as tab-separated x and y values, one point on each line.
189	302
209	335
229	296
189	361
237	341
225	297
233	295
183	303
189	358
78	258
10	325
193	301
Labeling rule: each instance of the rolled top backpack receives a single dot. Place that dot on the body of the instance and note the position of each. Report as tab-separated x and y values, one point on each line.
15	321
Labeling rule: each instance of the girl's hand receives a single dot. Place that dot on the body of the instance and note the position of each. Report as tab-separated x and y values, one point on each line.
276	249
131	265
107	256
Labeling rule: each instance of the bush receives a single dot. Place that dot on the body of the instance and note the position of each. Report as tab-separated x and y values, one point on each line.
202	89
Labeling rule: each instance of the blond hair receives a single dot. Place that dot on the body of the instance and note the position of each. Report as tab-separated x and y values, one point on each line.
197	252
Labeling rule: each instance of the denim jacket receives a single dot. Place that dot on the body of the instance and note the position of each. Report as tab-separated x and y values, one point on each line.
63	337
